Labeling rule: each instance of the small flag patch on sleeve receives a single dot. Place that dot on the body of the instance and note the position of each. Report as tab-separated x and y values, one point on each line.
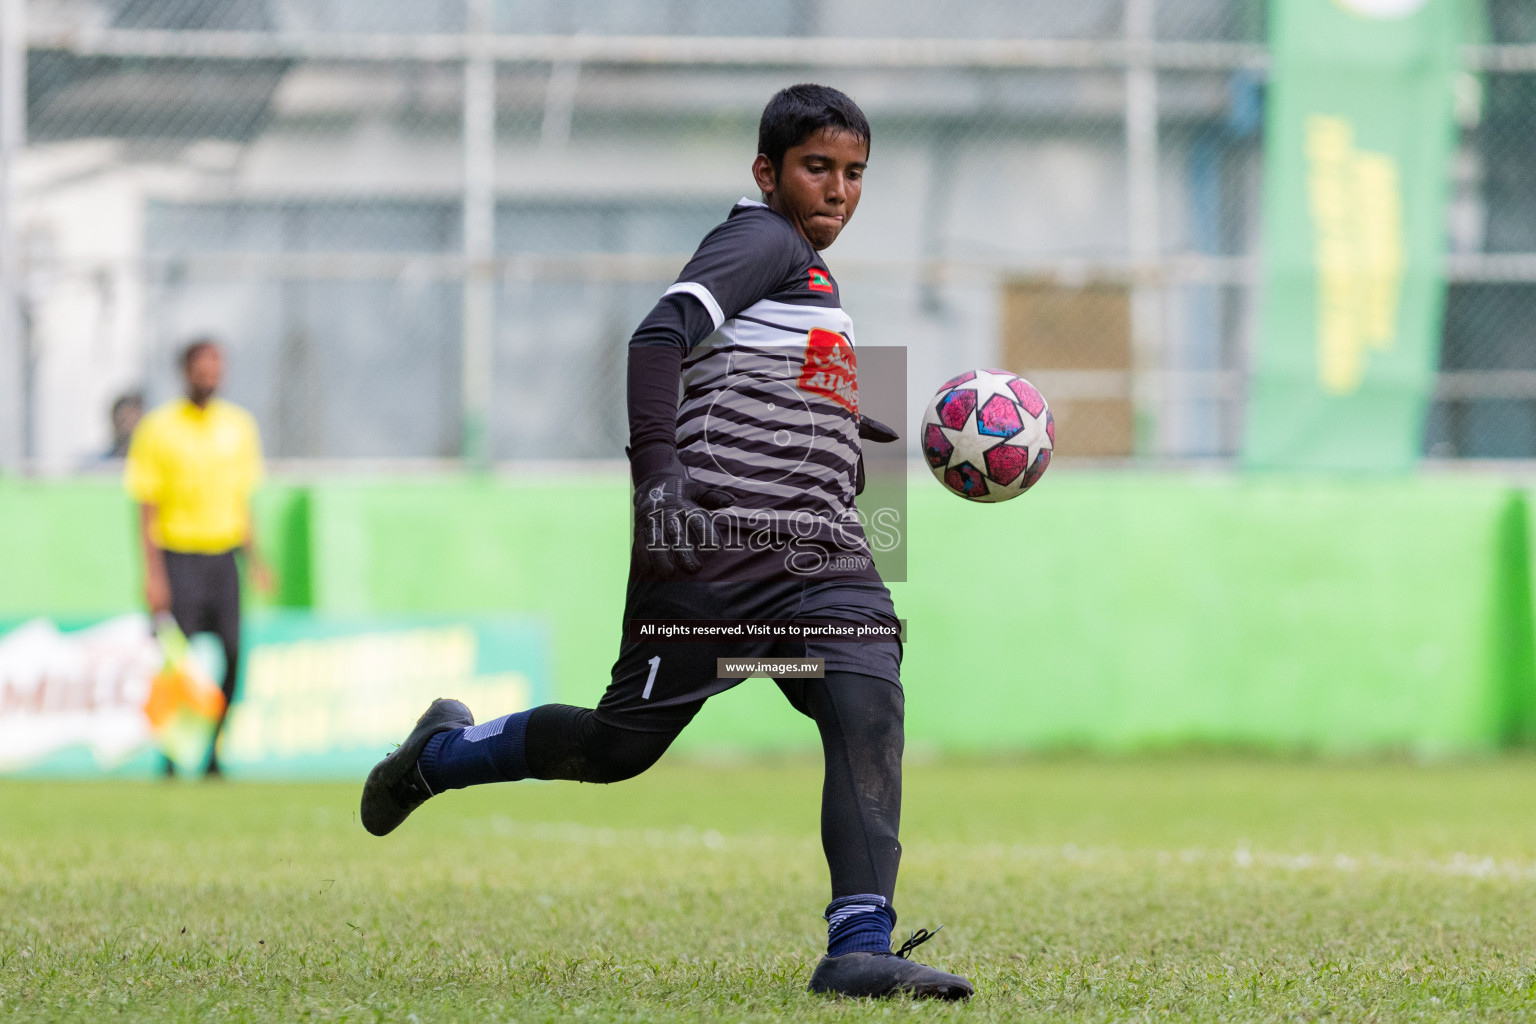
820	281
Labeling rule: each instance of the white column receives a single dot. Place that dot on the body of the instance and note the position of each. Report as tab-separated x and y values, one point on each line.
1141	156
479	236
14	402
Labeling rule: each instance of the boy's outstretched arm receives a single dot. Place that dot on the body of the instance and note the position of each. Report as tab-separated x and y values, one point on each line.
670	523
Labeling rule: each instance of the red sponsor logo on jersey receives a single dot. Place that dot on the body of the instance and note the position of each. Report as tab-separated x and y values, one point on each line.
830	369
821	281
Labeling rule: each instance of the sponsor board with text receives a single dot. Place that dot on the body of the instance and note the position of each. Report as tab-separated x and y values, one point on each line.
320	697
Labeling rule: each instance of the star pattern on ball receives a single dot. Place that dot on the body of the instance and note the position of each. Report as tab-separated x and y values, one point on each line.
1033	438
970	444
987	383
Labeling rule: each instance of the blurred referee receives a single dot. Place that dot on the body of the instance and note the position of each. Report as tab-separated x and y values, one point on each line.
192	467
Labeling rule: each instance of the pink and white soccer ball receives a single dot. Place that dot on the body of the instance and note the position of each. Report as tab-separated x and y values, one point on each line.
988	435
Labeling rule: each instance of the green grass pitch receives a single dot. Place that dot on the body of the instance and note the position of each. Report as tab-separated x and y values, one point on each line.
1078	889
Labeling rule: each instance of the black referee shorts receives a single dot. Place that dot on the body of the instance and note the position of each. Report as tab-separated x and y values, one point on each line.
659	685
205	598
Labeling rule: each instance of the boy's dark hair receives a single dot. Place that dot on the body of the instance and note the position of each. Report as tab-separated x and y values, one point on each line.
194	348
800	111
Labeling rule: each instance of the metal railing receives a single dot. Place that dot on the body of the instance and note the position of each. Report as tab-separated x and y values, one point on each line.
1122	114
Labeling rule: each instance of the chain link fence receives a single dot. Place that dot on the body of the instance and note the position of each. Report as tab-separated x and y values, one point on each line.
425	230
1486	404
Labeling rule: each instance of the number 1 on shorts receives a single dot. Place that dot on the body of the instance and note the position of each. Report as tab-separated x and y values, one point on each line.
650	680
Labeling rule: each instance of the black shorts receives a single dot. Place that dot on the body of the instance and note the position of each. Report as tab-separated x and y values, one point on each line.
659	685
205	598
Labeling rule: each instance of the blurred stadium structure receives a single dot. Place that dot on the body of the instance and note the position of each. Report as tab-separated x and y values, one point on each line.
422	227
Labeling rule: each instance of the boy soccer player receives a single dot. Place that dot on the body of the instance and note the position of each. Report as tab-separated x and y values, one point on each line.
743	510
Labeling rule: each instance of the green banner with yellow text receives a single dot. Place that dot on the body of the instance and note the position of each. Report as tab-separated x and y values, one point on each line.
1358	141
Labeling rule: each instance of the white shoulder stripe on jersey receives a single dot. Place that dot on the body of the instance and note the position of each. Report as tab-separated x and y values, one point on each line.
798	317
744	201
704	296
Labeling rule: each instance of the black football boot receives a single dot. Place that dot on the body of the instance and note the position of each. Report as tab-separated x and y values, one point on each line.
396	787
876	975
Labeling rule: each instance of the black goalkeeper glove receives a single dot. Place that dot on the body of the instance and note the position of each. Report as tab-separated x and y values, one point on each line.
671	511
870	429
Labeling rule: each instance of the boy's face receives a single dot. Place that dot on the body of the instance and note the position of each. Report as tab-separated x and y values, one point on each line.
818	187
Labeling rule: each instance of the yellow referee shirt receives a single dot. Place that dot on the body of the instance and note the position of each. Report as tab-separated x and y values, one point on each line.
198	467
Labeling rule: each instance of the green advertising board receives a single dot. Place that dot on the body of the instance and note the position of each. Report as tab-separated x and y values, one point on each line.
1358	140
321	696
326	696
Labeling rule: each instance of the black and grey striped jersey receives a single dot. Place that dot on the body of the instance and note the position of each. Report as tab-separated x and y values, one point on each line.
769	406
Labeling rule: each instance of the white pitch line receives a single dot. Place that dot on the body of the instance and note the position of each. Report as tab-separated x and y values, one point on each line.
1243	856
